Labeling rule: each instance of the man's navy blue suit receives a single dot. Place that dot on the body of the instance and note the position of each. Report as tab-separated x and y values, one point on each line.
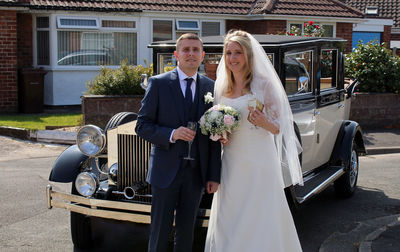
176	183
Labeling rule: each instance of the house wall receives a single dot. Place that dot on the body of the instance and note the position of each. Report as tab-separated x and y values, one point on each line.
24	40
345	31
258	26
386	36
8	61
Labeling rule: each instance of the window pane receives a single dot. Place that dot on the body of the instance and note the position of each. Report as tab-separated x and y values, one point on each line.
162	30
187	25
328	30
166	62
328	68
78	22
42	38
42	22
96	48
118	24
210	28
298	69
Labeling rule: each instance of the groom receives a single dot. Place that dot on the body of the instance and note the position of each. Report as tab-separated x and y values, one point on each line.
172	100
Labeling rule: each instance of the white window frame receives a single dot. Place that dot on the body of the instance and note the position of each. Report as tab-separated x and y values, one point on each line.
291	23
179	28
35	45
54	52
163	19
372	10
61	26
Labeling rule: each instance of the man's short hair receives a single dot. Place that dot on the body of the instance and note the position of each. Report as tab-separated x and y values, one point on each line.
188	36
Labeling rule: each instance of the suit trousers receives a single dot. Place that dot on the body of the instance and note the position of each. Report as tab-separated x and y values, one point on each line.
183	196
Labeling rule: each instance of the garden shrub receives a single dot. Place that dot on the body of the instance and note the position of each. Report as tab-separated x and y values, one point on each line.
122	81
375	67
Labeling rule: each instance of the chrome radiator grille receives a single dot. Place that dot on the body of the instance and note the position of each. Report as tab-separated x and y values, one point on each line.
133	161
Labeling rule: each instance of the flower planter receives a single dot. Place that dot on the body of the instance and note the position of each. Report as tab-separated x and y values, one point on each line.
98	109
376	110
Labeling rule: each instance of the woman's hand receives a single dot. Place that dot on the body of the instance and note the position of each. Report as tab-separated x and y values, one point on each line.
259	119
224	141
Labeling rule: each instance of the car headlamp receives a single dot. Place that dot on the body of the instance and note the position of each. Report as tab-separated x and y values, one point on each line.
90	140
86	183
113	172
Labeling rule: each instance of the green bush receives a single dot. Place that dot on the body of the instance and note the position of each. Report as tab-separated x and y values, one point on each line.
122	81
375	67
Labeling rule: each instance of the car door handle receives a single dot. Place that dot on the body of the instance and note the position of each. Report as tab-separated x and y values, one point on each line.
316	112
340	105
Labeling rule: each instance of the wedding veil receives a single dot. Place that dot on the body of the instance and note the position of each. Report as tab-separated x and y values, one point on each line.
268	88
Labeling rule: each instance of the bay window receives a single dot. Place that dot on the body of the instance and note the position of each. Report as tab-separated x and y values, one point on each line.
89	42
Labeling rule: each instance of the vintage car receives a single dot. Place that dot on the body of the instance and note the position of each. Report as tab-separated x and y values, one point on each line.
107	167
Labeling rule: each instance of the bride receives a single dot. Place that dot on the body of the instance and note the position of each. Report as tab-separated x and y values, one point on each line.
249	211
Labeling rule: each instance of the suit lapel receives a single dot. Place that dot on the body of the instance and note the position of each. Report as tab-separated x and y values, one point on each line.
176	92
201	90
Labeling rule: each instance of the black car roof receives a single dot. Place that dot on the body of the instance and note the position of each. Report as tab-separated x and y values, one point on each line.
264	40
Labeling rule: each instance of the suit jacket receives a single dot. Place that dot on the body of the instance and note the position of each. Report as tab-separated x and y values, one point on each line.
162	111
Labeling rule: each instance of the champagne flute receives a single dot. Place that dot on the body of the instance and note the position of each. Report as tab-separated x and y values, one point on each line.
252	102
192	126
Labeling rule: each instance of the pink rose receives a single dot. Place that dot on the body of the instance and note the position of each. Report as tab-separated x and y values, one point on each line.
228	120
215	107
215	137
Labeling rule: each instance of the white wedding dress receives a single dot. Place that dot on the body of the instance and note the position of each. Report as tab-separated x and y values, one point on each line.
249	211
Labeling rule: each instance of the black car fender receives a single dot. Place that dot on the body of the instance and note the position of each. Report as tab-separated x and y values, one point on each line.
350	131
67	165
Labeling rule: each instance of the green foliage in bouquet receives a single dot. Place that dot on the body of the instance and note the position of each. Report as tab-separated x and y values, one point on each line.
122	81
374	66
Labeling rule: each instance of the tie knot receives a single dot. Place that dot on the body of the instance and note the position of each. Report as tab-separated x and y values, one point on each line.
189	81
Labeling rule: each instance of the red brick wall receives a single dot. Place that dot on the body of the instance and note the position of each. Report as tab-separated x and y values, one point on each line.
8	61
387	30
345	31
258	26
24	39
276	26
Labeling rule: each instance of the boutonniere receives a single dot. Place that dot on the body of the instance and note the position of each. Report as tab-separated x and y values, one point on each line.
208	98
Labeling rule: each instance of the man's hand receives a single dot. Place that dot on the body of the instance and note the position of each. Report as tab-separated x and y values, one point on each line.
183	133
212	186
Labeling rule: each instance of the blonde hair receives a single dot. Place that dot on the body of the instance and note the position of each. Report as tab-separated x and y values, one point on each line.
243	40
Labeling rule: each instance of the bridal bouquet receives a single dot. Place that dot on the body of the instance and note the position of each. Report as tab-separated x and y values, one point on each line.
218	121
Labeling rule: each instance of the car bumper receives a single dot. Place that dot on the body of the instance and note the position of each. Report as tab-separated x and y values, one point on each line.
116	210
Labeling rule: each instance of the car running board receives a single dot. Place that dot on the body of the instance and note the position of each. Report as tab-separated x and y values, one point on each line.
316	182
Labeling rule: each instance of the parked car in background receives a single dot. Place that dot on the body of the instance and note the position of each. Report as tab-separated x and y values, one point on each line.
108	166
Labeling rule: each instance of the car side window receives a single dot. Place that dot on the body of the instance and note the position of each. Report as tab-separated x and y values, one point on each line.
329	68
298	72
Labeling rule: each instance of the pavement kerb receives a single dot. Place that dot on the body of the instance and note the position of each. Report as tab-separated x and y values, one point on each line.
366	244
362	236
47	136
382	150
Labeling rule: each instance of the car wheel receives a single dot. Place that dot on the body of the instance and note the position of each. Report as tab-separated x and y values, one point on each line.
81	230
120	118
347	183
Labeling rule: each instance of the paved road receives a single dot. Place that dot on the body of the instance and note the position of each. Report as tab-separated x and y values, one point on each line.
27	225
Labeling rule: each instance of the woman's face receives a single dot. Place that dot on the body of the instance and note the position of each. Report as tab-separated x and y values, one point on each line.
235	58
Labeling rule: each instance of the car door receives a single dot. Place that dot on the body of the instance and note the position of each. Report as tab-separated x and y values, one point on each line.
330	111
298	81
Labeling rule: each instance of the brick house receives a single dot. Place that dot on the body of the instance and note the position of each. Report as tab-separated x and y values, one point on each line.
69	39
382	21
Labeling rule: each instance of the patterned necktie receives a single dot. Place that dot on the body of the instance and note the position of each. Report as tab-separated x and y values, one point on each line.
188	94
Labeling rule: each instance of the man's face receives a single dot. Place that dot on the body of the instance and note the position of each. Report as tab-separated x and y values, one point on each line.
189	55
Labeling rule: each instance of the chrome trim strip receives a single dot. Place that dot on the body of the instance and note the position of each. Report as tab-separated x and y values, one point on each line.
87	206
321	186
48	197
